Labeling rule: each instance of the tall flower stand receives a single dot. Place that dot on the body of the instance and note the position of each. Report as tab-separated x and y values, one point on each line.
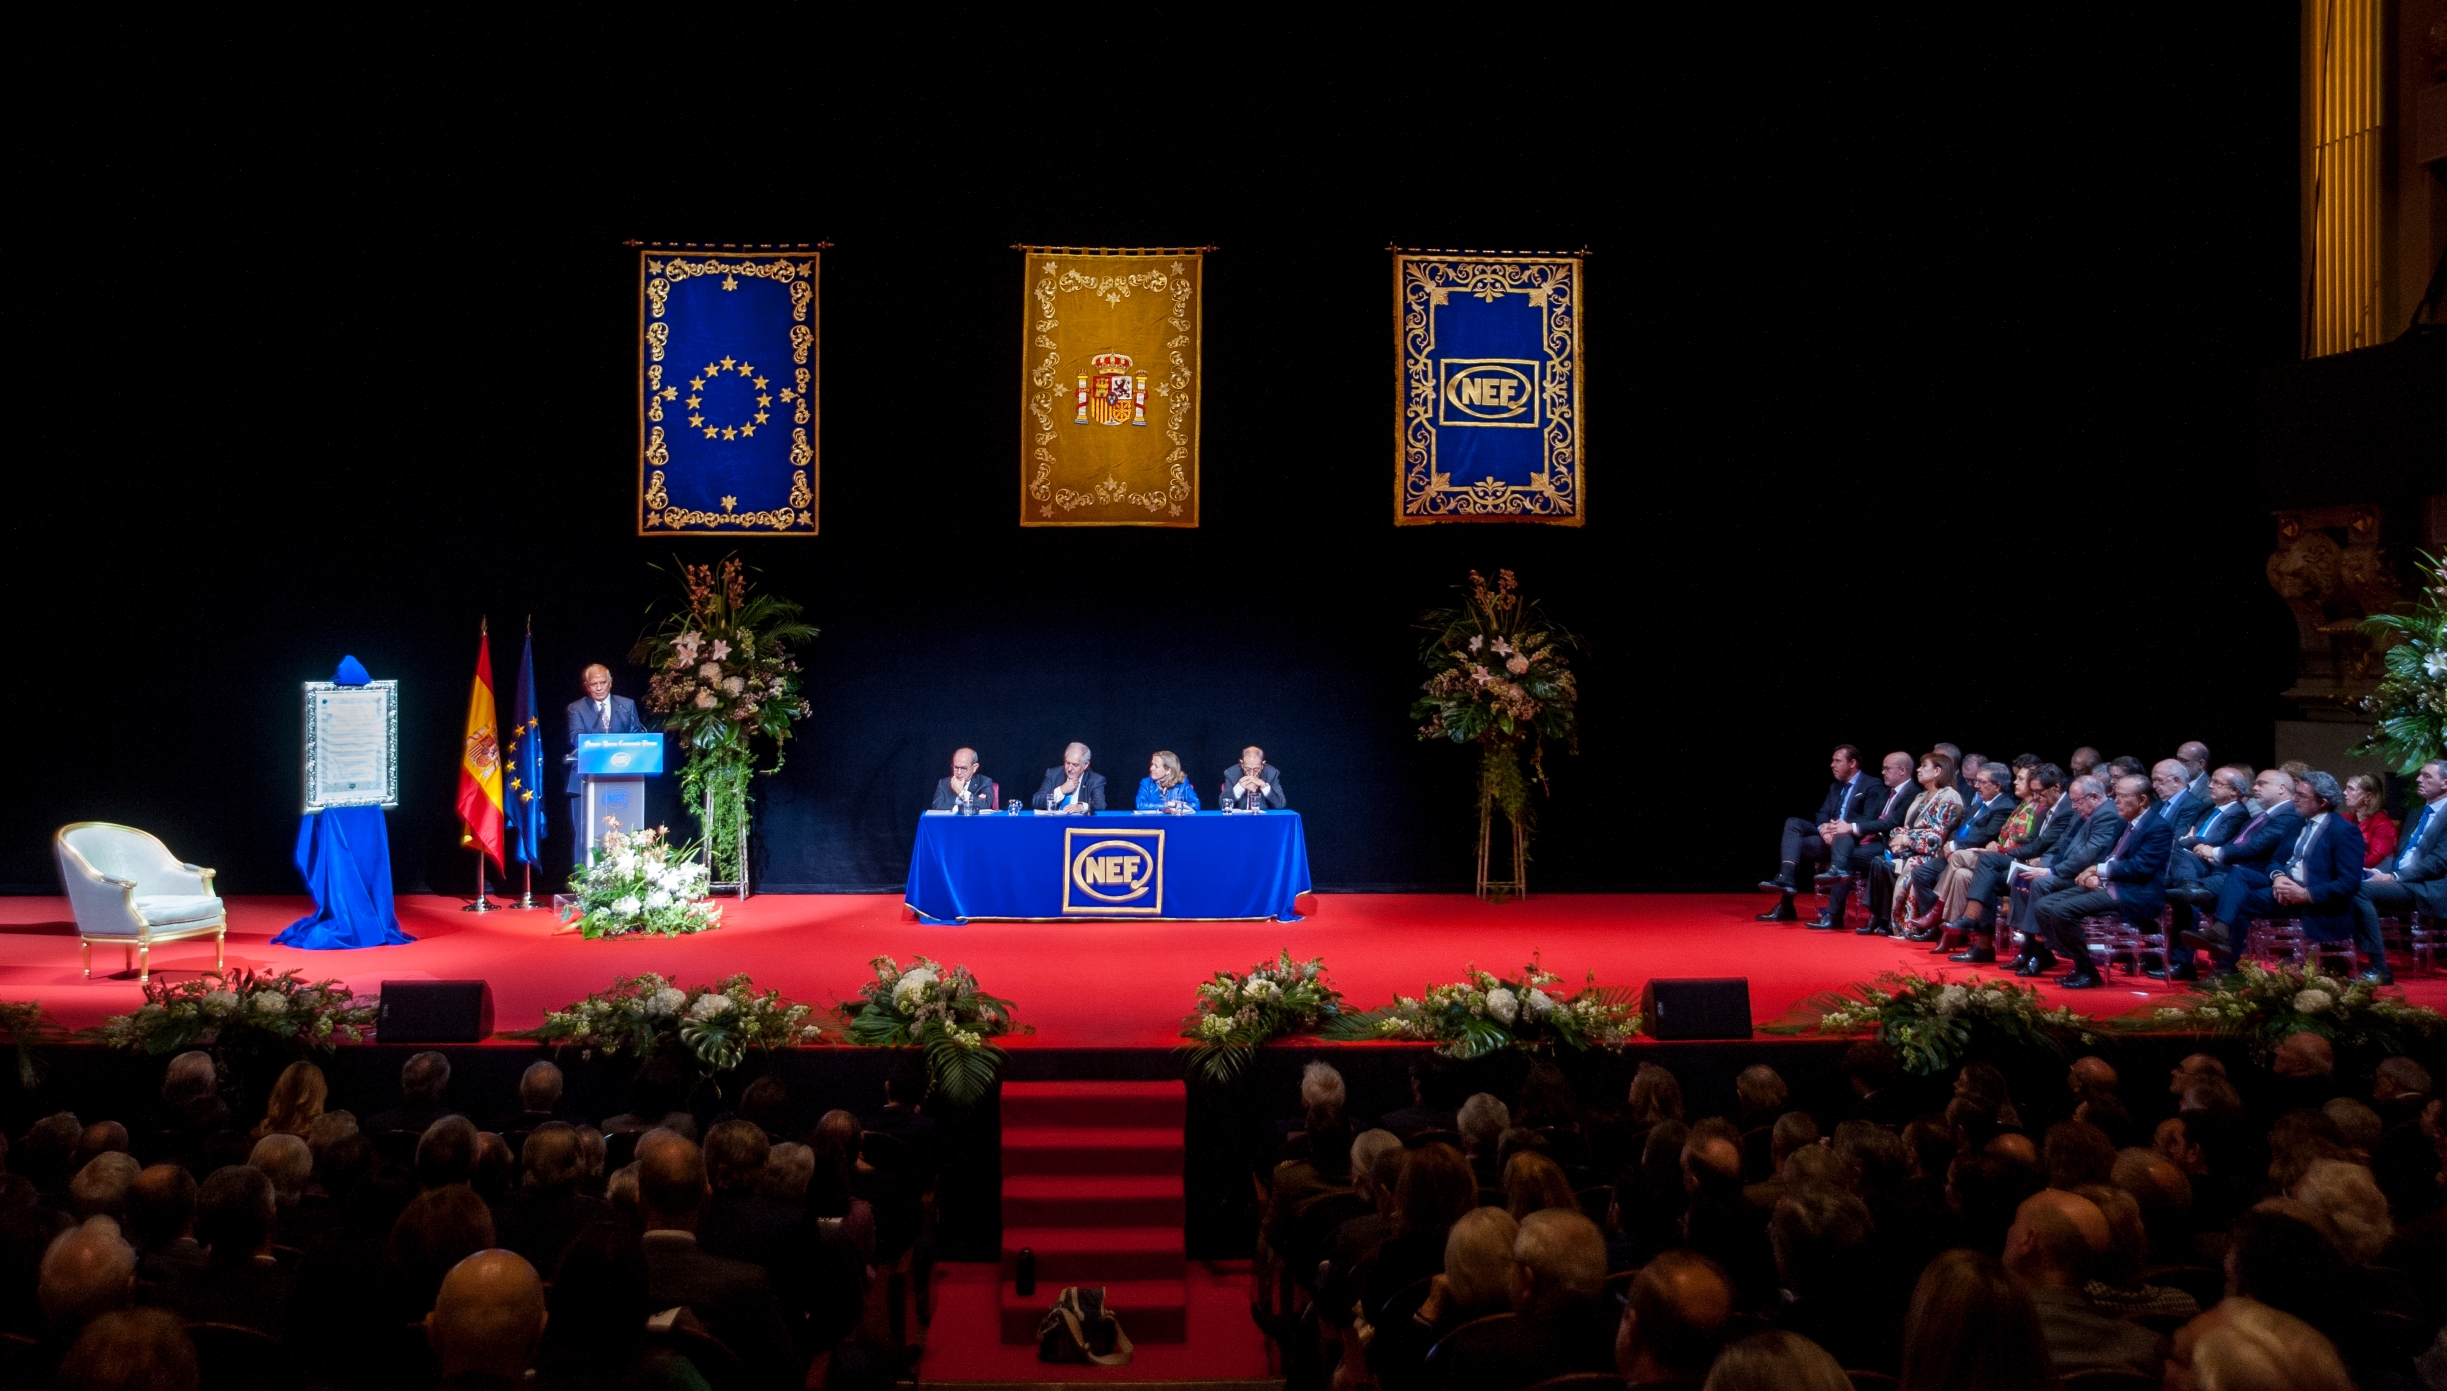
1500	889
739	886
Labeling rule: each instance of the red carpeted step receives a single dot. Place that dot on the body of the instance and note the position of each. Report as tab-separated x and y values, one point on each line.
1064	1149
1093	1255
1096	1200
1095	1103
1150	1311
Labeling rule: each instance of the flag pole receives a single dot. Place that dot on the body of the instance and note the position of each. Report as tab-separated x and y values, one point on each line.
482	904
526	899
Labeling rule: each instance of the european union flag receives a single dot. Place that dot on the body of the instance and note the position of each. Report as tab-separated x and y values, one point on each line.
526	791
726	393
1489	421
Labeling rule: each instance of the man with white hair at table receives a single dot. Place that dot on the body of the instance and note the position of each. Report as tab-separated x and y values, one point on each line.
1074	789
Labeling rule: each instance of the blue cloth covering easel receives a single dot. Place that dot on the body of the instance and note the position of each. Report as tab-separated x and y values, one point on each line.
345	855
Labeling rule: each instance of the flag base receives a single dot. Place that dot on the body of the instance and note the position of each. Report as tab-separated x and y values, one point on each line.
482	903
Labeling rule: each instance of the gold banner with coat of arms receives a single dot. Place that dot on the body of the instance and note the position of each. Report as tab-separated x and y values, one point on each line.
1109	388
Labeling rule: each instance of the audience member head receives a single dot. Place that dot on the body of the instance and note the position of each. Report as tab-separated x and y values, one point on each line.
2083	760
2300	1139
1368	1151
343	1166
1534	1183
2163	1197
1482	1121
48	1149
2077	1152
99	1138
1760	1090
620	1190
1478	1261
766	1105
1873	1154
2280	1256
2358	1126
161	1206
2089	1073
1433	1081
1675	1318
2168	778
235	1214
2230	784
441	1228
1928	1146
598	1305
2245	1345
2317	792
2175	1141
446	1152
788	1166
285	1160
1895	769
2363	796
1437	1188
1329	1143
2194	755
539	1088
906	1083
329	1129
551	1158
671	1186
100	1188
1712	1167
297	1098
1818	1232
2398	1078
496	1167
86	1272
131	1350
1559	1257
1972	1325
2055	1240
1320	1085
1546	1097
1985	1083
488	1317
843	1130
190	1078
1776	1360
425	1079
2128	1240
1655	1096
735	1154
1871	1067
1794	1131
1814	1164
592	1152
1986	1191
828	1177
2347	1195
2046	782
1936	769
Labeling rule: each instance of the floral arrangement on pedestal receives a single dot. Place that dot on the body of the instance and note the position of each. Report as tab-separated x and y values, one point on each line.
643	1015
940	1009
1499	677
236	1008
724	679
2409	709
27	1024
639	885
2267	1004
1485	1013
1238	1014
1932	1023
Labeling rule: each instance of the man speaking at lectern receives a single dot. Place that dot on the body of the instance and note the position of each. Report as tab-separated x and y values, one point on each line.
600	713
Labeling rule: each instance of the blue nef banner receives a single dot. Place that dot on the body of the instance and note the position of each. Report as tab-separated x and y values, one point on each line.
726	392
1489	422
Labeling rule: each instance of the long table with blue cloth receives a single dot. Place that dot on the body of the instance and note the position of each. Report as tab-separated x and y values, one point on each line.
1113	867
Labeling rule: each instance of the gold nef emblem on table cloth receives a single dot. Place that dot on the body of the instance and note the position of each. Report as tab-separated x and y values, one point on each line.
1112	872
1110	393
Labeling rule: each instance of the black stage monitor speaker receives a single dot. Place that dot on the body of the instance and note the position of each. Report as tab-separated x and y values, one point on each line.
435	1011
1695	1007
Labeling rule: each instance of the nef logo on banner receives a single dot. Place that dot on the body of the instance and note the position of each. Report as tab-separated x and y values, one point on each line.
1113	872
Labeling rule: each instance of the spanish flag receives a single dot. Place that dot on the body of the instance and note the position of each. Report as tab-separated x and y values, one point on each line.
480	762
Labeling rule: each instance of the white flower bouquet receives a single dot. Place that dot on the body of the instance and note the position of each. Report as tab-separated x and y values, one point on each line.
640	886
941	1010
224	1007
1932	1023
2268	1003
646	1014
1238	1014
1485	1013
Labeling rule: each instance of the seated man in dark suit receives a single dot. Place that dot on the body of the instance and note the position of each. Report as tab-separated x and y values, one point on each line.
1855	841
2225	805
1073	788
1561	1321
2085	843
239	1282
2269	831
422	1084
1253	783
2130	882
549	1211
2318	878
738	1220
539	1101
2052	815
1681	1307
732	1298
1805	843
2177	804
2415	877
967	785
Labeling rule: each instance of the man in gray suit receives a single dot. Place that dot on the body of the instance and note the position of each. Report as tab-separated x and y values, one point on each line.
966	784
1253	782
600	713
2084	845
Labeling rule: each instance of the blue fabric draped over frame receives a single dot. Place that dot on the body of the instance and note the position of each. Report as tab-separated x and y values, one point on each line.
344	853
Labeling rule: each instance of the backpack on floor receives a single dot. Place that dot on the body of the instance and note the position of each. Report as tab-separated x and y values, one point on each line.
1079	1328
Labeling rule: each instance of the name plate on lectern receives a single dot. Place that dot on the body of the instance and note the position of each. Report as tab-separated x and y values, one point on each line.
352	745
620	755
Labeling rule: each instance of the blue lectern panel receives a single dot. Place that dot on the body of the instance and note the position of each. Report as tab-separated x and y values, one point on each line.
620	755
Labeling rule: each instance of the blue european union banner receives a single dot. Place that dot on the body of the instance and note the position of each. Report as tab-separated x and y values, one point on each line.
1489	420
524	801
726	392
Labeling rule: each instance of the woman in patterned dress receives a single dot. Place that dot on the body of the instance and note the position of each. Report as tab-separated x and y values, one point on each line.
1926	829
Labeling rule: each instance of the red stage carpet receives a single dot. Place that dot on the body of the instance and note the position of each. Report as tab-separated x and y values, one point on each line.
1084	985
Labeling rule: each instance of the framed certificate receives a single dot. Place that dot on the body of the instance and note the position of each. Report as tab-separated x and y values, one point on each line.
352	745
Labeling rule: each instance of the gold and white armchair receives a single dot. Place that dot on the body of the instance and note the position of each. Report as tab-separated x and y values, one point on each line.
126	888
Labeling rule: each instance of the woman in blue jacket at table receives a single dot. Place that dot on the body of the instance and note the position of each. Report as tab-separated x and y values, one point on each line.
1165	788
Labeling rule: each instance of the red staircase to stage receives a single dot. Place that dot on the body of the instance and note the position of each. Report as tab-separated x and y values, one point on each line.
1092	1185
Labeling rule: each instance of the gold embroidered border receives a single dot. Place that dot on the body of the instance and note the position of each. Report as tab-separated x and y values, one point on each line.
1181	388
1421	493
798	272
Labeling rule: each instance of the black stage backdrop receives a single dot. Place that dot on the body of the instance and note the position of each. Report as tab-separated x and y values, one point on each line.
1917	382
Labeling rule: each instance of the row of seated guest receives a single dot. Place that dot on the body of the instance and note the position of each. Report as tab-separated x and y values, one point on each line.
1252	784
2289	1238
2015	869
766	1247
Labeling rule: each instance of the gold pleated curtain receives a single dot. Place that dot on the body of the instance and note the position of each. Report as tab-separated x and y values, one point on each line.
2345	98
